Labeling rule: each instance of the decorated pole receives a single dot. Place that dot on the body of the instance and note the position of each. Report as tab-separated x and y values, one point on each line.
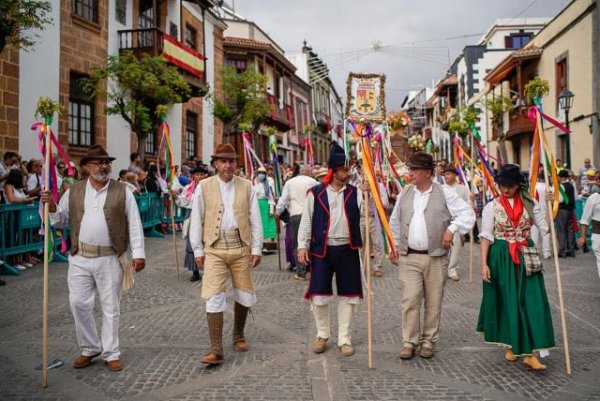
46	108
471	239
367	255
549	207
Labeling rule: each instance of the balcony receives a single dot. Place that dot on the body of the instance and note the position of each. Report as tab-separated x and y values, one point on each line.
281	118
152	42
518	122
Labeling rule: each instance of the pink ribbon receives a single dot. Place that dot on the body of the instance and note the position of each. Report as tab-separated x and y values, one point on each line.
532	114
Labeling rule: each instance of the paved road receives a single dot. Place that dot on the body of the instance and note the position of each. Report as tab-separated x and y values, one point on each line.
163	335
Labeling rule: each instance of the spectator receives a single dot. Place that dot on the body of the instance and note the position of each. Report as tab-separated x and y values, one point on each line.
122	175
184	177
135	165
131	181
14	190
68	180
586	176
9	161
564	218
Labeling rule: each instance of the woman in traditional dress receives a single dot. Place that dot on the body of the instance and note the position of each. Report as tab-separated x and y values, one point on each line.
265	191
514	310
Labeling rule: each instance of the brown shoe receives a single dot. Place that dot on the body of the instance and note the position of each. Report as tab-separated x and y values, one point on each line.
241	345
426	352
84	360
509	355
347	350
407	352
532	363
320	345
115	365
212	359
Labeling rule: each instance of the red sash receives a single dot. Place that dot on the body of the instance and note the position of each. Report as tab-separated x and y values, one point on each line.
514	214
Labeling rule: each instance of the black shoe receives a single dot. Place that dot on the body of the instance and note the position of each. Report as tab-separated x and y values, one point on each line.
291	268
195	276
585	248
562	255
2	282
571	254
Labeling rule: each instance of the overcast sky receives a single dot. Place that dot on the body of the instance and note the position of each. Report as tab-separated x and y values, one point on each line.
419	39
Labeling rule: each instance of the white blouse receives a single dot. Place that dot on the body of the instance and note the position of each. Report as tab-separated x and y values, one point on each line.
487	220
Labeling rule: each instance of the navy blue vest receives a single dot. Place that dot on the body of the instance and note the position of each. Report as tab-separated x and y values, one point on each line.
320	220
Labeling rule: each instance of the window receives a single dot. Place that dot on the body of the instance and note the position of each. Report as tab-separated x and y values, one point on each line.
81	114
239	64
121	11
517	40
174	30
150	147
87	9
146	14
561	77
191	124
190	37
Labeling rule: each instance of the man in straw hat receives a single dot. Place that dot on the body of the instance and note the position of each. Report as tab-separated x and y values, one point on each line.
105	222
451	182
424	220
330	230
226	235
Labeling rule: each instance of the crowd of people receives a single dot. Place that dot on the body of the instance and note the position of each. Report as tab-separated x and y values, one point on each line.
230	221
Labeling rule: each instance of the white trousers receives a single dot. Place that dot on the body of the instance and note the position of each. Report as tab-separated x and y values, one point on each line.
105	275
542	246
218	302
596	249
454	262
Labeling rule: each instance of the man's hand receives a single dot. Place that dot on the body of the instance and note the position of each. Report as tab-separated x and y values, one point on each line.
138	264
200	262
549	194
255	261
302	257
581	241
447	240
394	259
485	273
47	198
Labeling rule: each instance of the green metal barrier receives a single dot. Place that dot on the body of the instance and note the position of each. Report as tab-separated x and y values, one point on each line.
151	208
179	214
19	232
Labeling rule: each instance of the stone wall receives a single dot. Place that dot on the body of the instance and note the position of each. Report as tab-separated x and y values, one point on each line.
9	100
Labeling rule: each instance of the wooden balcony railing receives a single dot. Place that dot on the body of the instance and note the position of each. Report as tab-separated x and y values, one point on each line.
518	122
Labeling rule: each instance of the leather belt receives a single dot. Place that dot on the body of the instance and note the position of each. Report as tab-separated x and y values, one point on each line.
410	250
94	251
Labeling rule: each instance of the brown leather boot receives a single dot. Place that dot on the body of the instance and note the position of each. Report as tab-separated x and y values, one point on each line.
240	312
215	332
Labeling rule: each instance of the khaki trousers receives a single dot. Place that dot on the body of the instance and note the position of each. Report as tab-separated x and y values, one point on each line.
220	264
422	277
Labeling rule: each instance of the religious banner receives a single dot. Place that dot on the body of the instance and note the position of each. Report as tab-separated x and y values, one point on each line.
365	98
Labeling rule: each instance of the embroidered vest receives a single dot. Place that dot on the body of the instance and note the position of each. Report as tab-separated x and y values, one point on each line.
503	228
214	208
114	212
320	220
437	219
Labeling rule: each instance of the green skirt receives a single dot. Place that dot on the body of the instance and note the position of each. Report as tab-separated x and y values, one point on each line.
268	222
514	310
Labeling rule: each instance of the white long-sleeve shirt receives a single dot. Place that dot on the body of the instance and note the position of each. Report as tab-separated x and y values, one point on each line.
591	210
338	223
94	230
487	220
228	221
463	217
294	194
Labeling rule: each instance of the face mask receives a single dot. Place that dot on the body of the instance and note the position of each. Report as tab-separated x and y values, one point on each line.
262	177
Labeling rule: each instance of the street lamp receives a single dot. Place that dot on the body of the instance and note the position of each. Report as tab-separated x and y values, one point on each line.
565	101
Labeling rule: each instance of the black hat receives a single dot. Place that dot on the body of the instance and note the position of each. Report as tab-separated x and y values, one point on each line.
337	157
450	169
509	174
563	173
95	152
421	160
199	169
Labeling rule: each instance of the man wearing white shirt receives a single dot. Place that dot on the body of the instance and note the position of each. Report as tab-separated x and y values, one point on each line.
105	223
451	183
226	236
293	197
591	213
423	224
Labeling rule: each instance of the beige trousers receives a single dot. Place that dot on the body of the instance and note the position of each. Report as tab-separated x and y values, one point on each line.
220	264
422	277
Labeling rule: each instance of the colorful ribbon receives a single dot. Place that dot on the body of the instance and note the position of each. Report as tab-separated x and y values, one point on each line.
167	147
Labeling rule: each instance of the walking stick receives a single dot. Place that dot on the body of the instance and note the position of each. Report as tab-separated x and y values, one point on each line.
171	210
46	257
278	241
563	321
367	254
471	256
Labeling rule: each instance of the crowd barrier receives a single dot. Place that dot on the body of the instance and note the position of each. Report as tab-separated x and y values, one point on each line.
20	226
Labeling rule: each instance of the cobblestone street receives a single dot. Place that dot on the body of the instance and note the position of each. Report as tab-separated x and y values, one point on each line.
163	336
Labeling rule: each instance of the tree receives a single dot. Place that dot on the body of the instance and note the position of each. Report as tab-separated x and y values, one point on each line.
497	107
19	16
244	105
135	88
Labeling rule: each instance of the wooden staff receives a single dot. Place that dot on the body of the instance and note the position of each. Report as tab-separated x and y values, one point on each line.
278	241
48	122
367	255
172	212
471	239
563	321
